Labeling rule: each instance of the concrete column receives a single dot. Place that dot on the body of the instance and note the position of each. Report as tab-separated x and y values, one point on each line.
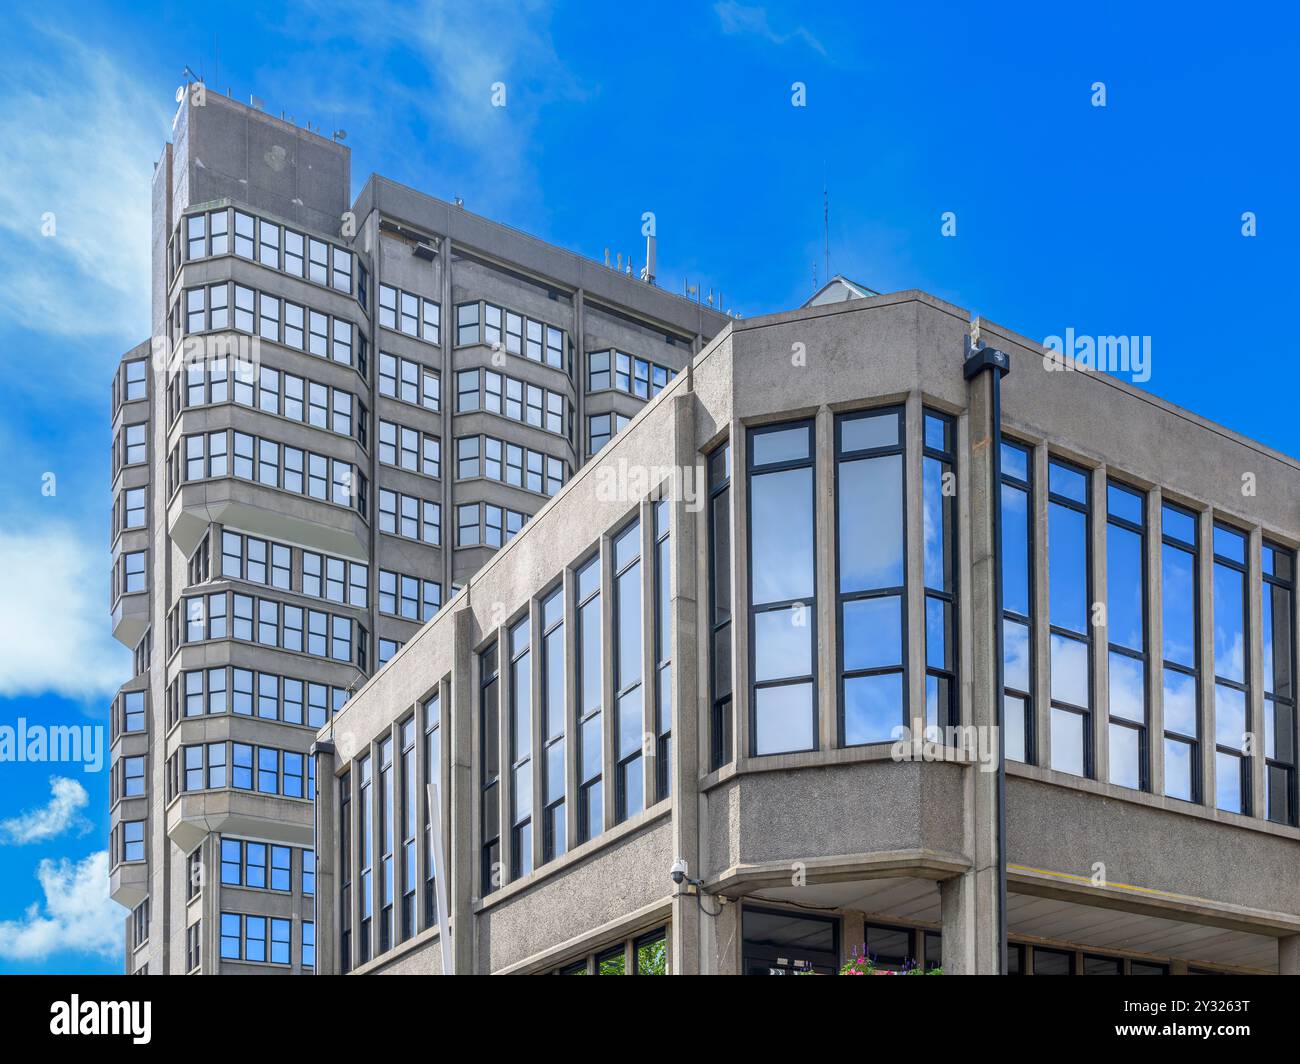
1156	647
1288	955
327	857
689	698
853	934
914	561
578	375
740	700
446	401
722	952
459	755
970	901
1100	632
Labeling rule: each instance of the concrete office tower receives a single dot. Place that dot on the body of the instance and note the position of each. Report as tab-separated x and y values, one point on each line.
346	409
716	675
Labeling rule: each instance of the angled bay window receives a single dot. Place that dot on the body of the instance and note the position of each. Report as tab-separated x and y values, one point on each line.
720	707
1180	609
490	767
1126	634
629	720
663	649
1017	601
782	589
869	560
1231	686
939	509
521	750
591	815
1069	581
1279	684
552	718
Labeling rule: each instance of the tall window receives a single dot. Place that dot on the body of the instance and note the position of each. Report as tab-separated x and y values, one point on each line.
552	717
720	740
1231	689
1017	601
939	509
410	796
1126	627
345	872
629	719
1180	608
386	891
663	650
365	846
591	809
491	768
1069	569
1279	684
521	750
782	590
433	769
869	551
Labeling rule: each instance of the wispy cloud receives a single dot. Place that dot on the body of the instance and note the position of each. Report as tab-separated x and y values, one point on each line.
53	617
77	916
78	137
61	813
737	19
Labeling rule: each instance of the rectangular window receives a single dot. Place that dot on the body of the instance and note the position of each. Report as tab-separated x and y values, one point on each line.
410	785
490	767
467	324
387	784
1017	601
1180	610
663	649
554	834
345	872
720	710
521	749
1278	577
365	855
1126	634
433	775
1069	616
939	510
629	712
590	698
1232	696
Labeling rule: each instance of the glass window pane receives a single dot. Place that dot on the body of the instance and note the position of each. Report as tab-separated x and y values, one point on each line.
870	523
1125	756
873	708
782	644
1068	741
872	633
783	718
1127	688
781	530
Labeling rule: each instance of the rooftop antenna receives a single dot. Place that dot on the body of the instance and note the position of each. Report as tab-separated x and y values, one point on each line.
189	74
826	222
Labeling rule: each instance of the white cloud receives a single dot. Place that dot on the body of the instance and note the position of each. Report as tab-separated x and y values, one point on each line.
738	19
54	628
78	139
78	915
61	813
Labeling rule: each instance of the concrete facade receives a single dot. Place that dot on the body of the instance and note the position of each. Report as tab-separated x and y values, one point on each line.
336	567
802	857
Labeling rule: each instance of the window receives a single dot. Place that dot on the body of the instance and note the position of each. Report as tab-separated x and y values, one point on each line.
781	942
309	944
132	777
490	766
597	374
410	791
939	509
133	711
345	872
365	849
467	324
1126	634
1180	608
433	775
590	699
1278	566
193	945
1017	601
554	830
1232	763
629	712
720	729
1069	575
782	592
521	748
132	840
387	839
663	649
135	448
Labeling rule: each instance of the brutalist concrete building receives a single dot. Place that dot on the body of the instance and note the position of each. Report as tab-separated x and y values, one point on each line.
762	641
346	409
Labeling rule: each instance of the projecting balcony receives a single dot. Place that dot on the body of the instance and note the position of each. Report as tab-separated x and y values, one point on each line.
131	618
128	883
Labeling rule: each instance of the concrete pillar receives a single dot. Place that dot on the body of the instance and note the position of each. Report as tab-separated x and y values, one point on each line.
459	754
853	934
326	844
1288	955
690	706
970	901
722	938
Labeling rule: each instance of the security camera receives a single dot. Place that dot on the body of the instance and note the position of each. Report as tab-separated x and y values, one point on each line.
678	871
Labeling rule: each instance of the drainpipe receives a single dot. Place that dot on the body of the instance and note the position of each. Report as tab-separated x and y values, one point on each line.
981	359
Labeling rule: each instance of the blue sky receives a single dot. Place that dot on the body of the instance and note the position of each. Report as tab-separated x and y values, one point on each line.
1123	219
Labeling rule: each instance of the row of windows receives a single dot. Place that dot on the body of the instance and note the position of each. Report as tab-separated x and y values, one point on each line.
265	940
130	382
487	456
486	323
242	766
487	390
278	247
648	953
410	449
409	313
208	456
272	392
601	428
410	517
487	525
261	561
626	373
639	718
395	793
246	693
266	866
408	597
267	622
410	382
228	305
